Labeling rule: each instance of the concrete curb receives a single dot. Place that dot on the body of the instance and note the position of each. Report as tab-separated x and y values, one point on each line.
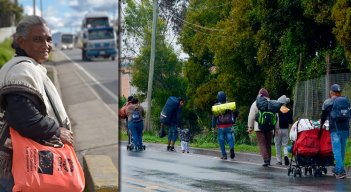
100	173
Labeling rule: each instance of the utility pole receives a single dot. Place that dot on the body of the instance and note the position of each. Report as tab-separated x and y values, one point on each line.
151	67
119	36
41	8
33	7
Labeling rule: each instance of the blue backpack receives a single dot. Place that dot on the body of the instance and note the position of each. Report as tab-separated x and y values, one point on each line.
341	109
136	115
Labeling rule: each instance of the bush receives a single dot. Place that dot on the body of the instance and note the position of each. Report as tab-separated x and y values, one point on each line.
240	134
6	52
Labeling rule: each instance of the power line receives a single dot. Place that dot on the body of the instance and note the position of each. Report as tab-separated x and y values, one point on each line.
204	33
206	28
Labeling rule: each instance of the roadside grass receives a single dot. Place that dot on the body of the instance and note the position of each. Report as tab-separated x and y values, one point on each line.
208	141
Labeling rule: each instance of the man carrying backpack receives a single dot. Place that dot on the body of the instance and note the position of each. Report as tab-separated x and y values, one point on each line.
337	110
171	117
135	113
224	124
263	122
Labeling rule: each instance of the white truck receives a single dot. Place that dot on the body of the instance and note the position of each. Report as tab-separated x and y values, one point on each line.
98	37
63	40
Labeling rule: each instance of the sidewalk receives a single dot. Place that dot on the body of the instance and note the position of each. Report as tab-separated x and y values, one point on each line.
94	124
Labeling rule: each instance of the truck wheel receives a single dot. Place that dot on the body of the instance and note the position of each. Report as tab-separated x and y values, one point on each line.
83	55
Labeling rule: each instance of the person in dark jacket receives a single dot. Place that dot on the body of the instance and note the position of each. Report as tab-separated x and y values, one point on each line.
281	139
30	100
173	125
224	130
339	128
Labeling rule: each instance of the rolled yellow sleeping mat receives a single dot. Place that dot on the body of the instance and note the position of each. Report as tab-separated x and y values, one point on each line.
220	109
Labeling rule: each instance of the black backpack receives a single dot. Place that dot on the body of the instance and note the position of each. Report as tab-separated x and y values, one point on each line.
267	113
136	116
266	120
226	118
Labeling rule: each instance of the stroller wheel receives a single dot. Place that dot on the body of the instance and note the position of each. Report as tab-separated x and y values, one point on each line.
295	173
300	173
315	172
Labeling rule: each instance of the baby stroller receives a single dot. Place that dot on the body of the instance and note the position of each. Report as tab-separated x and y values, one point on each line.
311	149
130	145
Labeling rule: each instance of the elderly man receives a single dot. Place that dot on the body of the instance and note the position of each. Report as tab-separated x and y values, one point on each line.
337	110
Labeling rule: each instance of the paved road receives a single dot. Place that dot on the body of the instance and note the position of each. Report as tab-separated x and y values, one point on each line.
159	170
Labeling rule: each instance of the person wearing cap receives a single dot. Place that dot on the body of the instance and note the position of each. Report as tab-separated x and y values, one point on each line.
264	138
281	139
338	127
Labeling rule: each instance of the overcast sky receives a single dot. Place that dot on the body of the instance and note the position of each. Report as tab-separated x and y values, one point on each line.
67	15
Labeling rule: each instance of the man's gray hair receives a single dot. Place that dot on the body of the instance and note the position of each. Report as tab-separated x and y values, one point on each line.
23	28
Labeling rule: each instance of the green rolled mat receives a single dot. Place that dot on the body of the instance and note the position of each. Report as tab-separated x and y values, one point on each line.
220	109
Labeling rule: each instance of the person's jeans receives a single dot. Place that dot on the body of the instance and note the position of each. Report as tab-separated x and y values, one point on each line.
6	184
338	140
172	133
225	134
136	128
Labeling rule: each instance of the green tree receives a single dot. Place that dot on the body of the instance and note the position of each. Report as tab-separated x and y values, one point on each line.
167	80
10	13
341	14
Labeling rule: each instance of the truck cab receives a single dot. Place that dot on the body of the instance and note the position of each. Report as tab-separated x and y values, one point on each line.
99	42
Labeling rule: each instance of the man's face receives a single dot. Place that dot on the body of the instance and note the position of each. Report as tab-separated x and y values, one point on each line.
38	43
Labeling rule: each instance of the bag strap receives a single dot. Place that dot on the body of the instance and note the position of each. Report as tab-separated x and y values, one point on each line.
53	106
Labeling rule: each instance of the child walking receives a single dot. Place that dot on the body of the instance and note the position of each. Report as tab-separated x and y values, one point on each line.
184	139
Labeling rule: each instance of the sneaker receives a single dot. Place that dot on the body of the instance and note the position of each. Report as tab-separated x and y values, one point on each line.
168	148
232	154
183	151
286	160
171	149
224	157
340	176
333	171
266	163
279	163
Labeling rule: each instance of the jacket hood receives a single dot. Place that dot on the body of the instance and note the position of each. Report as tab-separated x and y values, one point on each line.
221	97
283	99
284	109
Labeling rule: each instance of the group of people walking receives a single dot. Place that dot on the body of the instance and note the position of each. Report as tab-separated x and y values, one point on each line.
265	125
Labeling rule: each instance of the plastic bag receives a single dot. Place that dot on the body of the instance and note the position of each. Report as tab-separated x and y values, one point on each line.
39	168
